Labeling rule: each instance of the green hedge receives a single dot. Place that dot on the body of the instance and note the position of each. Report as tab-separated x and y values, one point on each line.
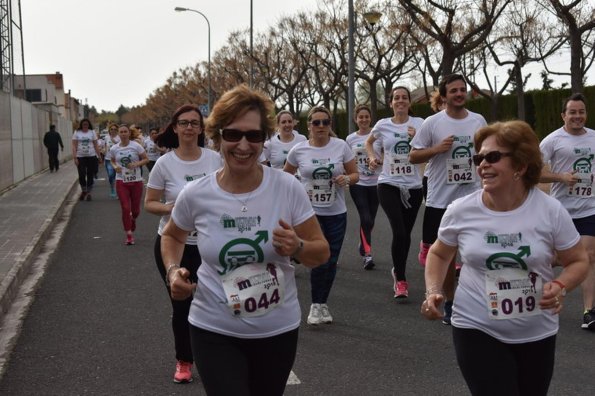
542	109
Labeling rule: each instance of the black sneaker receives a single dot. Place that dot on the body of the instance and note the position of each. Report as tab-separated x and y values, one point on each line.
368	263
447	313
82	196
589	320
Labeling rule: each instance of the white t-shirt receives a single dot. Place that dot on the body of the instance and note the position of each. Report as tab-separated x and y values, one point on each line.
230	240
170	174
109	143
567	153
124	155
451	175
396	168
357	143
275	151
84	143
523	238
317	166
152	153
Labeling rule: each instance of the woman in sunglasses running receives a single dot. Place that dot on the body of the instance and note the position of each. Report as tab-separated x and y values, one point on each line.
326	165
508	234
186	161
249	219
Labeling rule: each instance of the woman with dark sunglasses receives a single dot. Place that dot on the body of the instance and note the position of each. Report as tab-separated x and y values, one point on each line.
186	161
363	193
508	233
326	165
400	182
249	220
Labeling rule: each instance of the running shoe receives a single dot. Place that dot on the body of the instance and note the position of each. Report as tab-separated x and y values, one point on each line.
315	316
183	373
129	239
326	314
589	320
423	253
368	263
82	196
112	194
447	312
402	291
88	197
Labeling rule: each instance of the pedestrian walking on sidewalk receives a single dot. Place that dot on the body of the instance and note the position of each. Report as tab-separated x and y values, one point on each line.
505	314
187	160
400	183
53	141
249	220
327	166
127	158
87	156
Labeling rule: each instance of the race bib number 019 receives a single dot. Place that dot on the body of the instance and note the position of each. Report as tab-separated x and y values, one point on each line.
254	289
459	171
513	293
583	188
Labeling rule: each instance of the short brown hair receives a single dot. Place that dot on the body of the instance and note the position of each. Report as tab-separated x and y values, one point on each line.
235	103
521	140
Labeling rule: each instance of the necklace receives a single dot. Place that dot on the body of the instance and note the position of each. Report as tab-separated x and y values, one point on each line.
244	208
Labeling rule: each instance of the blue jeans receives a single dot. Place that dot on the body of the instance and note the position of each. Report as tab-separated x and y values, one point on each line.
322	277
111	173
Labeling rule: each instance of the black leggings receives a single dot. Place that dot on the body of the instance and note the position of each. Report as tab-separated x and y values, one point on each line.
491	367
401	221
366	202
179	320
431	224
87	169
243	366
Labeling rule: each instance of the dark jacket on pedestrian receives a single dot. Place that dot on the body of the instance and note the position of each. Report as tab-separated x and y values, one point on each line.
52	139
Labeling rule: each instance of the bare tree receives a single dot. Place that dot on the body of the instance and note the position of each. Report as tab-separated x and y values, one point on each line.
578	19
457	26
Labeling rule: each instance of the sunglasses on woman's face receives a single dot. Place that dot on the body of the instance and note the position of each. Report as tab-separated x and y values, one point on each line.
325	122
491	158
235	135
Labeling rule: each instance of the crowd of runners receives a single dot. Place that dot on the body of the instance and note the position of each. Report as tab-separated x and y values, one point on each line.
244	198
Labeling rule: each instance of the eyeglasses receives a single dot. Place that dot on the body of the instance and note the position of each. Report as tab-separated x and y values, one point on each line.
492	157
235	135
185	123
325	122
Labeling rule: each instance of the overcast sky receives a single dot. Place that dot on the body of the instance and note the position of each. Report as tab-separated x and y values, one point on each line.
114	52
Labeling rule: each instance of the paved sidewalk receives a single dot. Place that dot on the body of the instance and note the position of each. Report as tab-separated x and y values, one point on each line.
27	214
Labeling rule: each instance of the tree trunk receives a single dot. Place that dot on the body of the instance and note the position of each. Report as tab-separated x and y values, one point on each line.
373	99
576	73
520	91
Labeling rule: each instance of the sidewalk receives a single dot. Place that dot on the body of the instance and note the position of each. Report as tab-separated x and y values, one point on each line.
27	214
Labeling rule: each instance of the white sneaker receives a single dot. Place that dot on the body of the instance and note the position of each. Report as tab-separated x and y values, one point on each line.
326	314
315	316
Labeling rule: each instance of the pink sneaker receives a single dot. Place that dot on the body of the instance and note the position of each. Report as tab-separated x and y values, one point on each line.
401	289
423	253
183	373
129	240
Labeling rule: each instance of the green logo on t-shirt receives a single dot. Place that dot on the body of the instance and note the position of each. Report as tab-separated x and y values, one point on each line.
241	251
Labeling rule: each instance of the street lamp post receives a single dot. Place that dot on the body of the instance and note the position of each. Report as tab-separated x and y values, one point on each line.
350	68
180	9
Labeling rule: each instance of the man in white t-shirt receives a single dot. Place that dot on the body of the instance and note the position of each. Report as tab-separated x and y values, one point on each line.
445	142
569	151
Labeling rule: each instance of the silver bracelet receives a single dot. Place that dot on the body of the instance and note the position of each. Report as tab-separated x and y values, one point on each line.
171	266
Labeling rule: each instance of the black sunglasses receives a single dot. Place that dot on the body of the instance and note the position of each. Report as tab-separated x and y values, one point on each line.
325	122
235	135
492	157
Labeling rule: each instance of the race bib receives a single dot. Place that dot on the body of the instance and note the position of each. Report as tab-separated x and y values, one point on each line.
513	293
131	175
321	192
400	165
583	188
254	289
459	171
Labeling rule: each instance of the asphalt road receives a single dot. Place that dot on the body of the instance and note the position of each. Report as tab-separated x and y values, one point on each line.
99	324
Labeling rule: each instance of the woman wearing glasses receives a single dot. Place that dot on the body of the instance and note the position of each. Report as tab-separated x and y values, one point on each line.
277	148
400	183
508	299
364	192
249	220
326	165
186	161
127	158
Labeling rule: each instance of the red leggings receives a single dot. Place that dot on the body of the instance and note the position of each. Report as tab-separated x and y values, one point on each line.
129	195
